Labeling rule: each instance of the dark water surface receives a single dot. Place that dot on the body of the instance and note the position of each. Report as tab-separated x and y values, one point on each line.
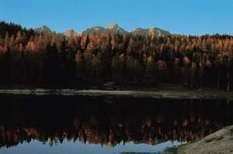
105	125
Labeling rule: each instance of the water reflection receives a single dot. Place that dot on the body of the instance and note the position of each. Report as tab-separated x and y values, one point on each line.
108	121
71	147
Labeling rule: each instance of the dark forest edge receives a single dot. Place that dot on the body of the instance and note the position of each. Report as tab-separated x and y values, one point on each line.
32	58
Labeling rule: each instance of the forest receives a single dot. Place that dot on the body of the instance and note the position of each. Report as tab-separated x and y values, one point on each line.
44	58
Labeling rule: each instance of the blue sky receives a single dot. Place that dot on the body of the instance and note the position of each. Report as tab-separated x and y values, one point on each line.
177	16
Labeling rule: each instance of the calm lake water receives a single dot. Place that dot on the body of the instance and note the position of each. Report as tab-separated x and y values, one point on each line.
105	125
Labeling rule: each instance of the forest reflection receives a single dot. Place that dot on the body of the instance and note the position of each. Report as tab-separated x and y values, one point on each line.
108	120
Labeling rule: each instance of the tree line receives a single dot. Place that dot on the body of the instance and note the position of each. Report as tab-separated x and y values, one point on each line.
35	58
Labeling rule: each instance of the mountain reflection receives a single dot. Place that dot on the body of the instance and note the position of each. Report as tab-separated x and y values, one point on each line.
108	120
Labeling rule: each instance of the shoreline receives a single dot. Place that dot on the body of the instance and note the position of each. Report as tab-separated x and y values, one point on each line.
157	94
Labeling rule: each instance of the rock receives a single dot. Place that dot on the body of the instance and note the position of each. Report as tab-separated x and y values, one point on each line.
220	142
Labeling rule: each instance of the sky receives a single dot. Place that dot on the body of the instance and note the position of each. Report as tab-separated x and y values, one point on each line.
177	16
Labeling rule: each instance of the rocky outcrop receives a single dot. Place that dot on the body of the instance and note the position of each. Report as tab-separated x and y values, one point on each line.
220	142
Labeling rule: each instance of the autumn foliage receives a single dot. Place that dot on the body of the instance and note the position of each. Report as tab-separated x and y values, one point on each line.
48	59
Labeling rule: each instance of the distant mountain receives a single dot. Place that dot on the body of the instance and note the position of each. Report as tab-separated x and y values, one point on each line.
92	30
116	29
43	29
150	32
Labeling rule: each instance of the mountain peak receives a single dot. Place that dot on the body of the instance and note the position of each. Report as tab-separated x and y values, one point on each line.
113	26
150	32
116	29
94	29
43	29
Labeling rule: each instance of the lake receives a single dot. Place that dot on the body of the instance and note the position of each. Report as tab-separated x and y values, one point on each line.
55	124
